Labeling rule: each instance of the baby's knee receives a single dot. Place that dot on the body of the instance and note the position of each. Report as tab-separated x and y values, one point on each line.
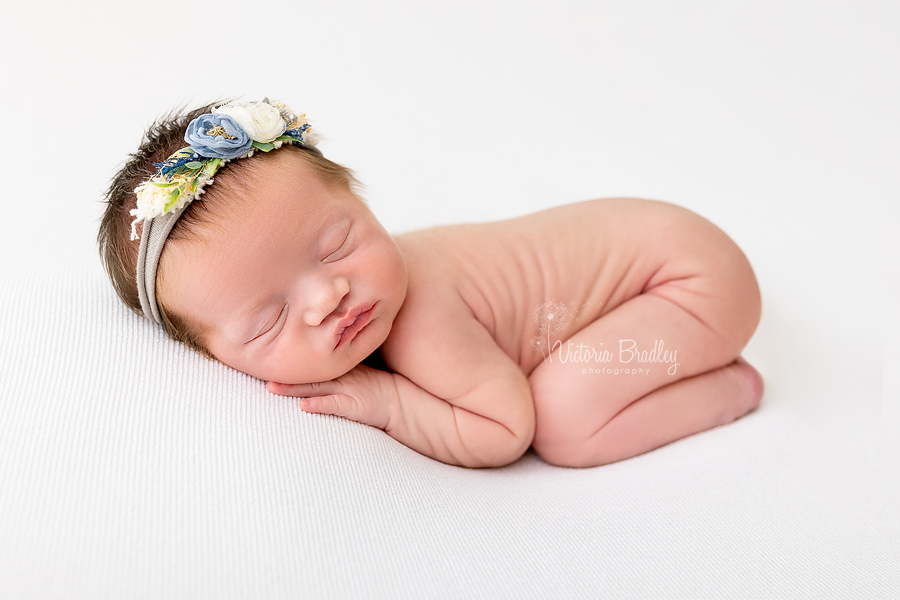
745	298
719	287
733	283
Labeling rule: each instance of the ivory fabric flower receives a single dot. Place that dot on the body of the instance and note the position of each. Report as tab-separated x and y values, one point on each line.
262	121
217	136
151	199
151	202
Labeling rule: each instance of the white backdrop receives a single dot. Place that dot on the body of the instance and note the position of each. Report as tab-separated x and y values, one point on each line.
778	121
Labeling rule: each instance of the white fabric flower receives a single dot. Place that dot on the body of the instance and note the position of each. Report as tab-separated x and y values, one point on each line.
261	121
151	200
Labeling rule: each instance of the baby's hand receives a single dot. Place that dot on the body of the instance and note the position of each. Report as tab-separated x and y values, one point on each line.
362	394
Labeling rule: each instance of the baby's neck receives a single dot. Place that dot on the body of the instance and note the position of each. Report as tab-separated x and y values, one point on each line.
375	361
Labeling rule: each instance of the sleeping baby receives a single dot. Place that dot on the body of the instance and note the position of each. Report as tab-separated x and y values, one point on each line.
592	332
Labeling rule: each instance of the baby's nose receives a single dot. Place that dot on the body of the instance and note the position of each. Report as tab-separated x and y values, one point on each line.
327	301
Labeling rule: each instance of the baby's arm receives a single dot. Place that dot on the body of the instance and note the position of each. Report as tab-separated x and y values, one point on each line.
460	399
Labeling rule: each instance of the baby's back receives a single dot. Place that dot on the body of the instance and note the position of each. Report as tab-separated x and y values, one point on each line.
567	265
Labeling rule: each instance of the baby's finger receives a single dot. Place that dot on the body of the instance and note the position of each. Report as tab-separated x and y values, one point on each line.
296	389
340	405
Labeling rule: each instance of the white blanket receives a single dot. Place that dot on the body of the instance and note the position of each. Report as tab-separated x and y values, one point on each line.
132	468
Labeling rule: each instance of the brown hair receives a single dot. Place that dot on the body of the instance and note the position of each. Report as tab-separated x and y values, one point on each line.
161	140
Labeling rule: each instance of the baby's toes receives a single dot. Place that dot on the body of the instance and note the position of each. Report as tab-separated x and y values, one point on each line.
751	386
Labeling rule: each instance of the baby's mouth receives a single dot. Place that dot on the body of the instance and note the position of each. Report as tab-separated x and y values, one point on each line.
349	332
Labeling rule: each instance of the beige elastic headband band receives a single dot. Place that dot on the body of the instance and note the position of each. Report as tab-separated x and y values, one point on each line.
153	238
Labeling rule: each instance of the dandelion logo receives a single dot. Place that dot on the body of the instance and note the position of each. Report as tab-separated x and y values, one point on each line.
551	317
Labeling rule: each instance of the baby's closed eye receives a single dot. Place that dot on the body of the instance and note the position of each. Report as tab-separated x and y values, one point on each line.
337	253
273	327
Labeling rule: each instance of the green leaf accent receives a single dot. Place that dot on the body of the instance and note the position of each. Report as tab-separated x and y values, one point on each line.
164	185
265	147
193	165
173	198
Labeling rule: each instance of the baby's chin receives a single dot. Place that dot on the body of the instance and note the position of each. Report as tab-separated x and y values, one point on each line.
307	375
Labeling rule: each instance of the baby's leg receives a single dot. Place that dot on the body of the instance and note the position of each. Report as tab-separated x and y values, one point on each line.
706	311
679	409
587	419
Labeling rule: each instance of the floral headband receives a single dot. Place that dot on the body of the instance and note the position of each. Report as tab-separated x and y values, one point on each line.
231	131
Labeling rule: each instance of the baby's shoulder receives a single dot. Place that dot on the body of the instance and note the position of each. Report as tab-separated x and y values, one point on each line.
435	339
439	279
432	303
429	253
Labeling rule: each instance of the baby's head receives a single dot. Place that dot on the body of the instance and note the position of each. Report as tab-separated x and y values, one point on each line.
265	270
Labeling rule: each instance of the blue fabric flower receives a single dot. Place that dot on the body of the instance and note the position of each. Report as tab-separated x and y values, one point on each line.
217	136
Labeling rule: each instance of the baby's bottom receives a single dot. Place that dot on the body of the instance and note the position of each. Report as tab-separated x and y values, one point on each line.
589	414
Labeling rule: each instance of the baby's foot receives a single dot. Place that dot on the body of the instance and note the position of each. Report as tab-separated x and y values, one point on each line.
751	388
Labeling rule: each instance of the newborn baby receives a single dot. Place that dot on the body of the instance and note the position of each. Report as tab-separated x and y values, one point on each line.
594	331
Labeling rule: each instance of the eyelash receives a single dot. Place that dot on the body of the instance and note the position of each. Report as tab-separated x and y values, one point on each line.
269	330
346	237
283	310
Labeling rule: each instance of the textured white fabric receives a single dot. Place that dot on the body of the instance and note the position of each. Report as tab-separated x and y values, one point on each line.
132	468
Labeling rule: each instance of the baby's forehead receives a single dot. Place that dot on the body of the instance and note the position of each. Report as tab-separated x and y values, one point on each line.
272	190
